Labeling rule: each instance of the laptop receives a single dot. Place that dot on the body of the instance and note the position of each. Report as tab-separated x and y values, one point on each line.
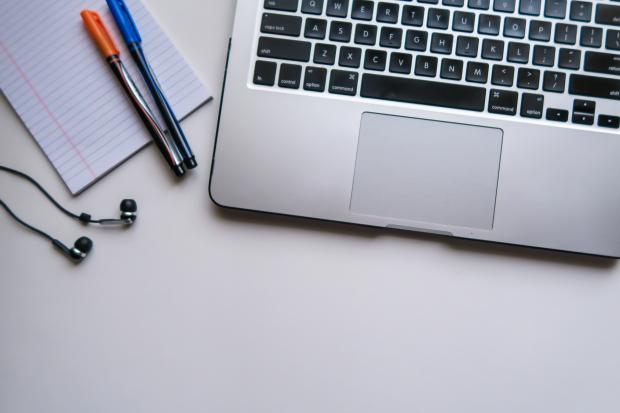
492	120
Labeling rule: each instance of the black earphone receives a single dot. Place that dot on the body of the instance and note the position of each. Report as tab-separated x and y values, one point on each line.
83	245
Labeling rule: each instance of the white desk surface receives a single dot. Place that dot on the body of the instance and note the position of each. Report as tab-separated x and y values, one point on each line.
196	309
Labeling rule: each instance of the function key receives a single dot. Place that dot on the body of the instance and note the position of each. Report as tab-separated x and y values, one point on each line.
607	121
608	14
506	6
283	5
362	10
312	6
555	9
453	3
387	13
557	115
338	8
428	1
530	7
581	11
265	73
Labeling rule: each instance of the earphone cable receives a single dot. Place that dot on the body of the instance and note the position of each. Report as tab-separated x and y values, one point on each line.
30	227
83	218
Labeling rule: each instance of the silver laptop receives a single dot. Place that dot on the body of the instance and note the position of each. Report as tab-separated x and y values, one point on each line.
490	120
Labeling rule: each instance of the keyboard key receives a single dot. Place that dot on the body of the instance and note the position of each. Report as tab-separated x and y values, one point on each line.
555	9
544	55
428	1
602	63
363	10
477	72
569	59
453	3
451	69
506	6
479	4
283	5
467	46
366	34
290	76
281	24
532	105
518	52
343	83
441	43
314	79
528	78
530	7
608	14
438	18
284	49
312	6
426	66
581	11
391	37
265	73
613	39
583	119
591	36
514	27
423	92
413	16
375	60
596	87
315	29
503	75
324	54
492	49
350	57
463	21
557	115
337	8
565	33
387	13
489	24
584	106
340	31
607	121
400	63
540	30
503	102
554	82
416	40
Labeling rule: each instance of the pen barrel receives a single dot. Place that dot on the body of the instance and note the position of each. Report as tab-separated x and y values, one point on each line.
173	124
161	139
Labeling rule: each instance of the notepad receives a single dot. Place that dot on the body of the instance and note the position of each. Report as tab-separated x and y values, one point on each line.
59	84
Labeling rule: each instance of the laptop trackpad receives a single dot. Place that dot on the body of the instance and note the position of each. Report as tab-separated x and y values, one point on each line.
427	171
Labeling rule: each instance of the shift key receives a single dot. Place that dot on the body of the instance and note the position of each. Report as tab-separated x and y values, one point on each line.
596	87
284	49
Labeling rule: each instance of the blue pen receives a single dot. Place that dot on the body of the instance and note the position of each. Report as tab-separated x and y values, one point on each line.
130	32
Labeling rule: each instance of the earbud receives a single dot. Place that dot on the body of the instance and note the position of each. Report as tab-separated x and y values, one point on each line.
80	249
129	209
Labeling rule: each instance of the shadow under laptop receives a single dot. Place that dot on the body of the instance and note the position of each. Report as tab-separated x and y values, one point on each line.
469	246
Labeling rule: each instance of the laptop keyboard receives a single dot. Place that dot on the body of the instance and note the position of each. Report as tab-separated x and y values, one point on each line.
553	60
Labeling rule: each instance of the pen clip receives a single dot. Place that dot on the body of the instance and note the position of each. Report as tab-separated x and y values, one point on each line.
100	33
125	22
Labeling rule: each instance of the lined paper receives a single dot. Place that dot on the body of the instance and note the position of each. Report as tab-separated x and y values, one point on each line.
59	84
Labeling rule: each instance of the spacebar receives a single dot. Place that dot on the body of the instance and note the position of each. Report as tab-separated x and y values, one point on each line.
423	92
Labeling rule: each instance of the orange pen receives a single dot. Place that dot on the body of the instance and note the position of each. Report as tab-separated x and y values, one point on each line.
98	31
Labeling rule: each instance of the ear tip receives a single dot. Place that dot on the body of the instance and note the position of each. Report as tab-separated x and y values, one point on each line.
129	205
84	244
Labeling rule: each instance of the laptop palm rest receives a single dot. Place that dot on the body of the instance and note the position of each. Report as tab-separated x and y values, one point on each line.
426	171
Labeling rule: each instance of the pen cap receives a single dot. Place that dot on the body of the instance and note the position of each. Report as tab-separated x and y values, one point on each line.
124	21
99	33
